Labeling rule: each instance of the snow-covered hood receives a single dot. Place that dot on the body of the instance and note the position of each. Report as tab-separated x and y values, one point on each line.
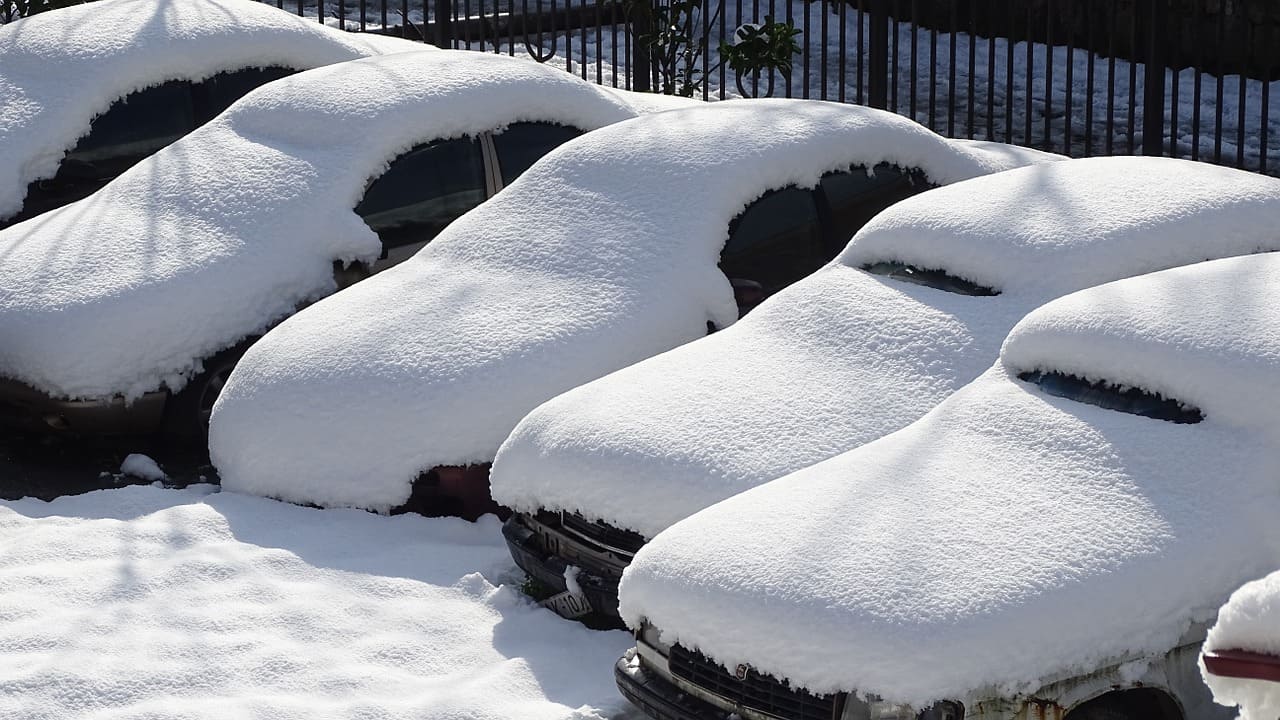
1008	536
231	228
844	357
1250	621
604	253
60	69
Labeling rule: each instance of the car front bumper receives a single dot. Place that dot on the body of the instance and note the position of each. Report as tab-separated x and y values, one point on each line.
548	569
658	698
25	408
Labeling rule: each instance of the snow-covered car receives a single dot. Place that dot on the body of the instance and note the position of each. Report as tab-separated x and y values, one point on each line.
89	90
912	310
607	251
126	311
1240	661
1051	540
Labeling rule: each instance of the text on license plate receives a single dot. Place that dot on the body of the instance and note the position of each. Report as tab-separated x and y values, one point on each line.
567	605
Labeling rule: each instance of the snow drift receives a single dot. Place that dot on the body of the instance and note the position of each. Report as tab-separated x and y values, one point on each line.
845	357
228	230
603	253
148	603
916	567
1249	621
60	69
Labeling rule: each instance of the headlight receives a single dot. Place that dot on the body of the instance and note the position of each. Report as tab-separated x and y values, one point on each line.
649	636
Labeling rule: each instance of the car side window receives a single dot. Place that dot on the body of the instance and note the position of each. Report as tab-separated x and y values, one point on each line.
854	197
522	144
222	90
424	190
134	127
776	241
1135	401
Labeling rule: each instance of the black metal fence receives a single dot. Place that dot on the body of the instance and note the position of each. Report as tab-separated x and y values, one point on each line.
1183	78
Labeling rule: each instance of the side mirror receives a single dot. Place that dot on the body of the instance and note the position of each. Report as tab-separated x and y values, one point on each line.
347	275
747	293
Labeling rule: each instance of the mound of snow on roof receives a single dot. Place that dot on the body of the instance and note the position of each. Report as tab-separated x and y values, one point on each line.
231	228
1249	621
844	357
143	602
917	566
60	69
573	271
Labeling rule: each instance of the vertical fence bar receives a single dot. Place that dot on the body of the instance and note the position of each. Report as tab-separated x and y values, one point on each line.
1029	105
951	75
599	18
1244	85
724	36
342	14
1048	75
1111	84
1133	79
1069	96
843	56
1175	72
443	12
466	26
755	77
915	68
1222	69
1008	72
364	15
705	40
1090	72
1196	80
933	76
1264	114
862	51
991	79
320	11
787	91
639	54
1153	82
804	80
893	66
613	49
404	19
382	13
299	8
824	28
878	55
971	99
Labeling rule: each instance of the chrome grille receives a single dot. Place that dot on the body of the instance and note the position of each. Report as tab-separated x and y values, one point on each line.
756	691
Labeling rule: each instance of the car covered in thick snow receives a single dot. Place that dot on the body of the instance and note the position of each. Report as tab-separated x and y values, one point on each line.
619	245
126	311
1240	661
89	90
1051	540
913	309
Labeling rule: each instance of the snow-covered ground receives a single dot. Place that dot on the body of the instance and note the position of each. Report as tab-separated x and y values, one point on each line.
151	603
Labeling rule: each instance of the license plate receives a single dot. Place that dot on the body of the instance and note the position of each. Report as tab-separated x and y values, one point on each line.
567	605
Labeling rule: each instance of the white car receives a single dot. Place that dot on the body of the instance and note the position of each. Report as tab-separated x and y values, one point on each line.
608	251
1240	661
125	311
89	90
914	308
1051	540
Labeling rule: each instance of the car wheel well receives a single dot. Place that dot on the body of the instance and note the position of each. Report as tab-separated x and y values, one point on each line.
1132	704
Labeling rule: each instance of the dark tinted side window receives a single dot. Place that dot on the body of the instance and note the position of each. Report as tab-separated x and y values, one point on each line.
522	144
424	190
222	90
1113	397
776	241
133	128
854	197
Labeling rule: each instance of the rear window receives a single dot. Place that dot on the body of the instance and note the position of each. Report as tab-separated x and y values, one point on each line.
937	279
1134	401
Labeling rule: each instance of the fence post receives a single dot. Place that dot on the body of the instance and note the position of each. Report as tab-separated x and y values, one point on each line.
641	61
878	55
443	35
1157	54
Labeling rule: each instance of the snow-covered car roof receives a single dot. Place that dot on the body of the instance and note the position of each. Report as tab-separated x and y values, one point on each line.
845	357
60	69
603	253
918	566
1248	622
231	228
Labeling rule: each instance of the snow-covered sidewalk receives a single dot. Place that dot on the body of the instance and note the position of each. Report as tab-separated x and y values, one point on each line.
145	603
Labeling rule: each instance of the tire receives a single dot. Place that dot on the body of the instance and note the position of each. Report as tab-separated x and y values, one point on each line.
188	412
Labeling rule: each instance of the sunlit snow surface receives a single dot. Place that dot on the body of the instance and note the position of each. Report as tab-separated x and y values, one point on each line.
151	603
1249	621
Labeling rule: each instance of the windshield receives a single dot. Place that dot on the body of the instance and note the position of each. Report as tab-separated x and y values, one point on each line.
937	279
1113	397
